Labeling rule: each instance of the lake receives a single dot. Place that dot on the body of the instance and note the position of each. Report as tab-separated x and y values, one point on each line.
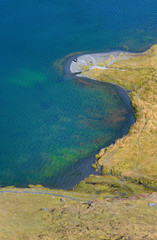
51	126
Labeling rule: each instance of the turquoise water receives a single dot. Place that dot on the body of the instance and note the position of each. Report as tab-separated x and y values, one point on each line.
52	126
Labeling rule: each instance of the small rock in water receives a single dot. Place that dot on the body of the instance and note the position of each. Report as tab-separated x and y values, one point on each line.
151	204
62	200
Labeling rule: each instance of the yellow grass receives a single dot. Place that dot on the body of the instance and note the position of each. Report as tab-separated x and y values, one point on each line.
40	217
135	156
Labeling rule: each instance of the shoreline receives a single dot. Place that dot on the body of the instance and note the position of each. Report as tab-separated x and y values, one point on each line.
123	55
123	93
134	98
69	75
65	63
146	59
122	198
77	73
76	62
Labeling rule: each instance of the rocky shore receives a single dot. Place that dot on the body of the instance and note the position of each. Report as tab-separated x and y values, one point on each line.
86	62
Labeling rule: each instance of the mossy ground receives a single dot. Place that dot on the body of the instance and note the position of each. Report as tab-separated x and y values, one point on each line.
110	186
31	217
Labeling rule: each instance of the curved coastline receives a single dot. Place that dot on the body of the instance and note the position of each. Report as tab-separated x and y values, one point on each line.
68	74
122	92
136	63
122	198
127	94
141	68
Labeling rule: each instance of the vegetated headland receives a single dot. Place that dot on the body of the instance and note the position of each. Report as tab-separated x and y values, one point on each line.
121	203
133	157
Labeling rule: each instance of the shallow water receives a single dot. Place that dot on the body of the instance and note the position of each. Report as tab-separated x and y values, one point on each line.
52	126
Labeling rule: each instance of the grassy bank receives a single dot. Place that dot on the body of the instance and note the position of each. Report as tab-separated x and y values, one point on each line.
135	156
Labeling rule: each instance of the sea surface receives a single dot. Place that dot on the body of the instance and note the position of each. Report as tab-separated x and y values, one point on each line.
51	126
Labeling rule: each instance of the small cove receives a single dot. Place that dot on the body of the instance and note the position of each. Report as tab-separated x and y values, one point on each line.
52	126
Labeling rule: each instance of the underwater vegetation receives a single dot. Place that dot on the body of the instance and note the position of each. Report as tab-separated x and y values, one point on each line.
27	77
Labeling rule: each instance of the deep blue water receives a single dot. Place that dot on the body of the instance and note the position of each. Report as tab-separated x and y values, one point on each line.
50	126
